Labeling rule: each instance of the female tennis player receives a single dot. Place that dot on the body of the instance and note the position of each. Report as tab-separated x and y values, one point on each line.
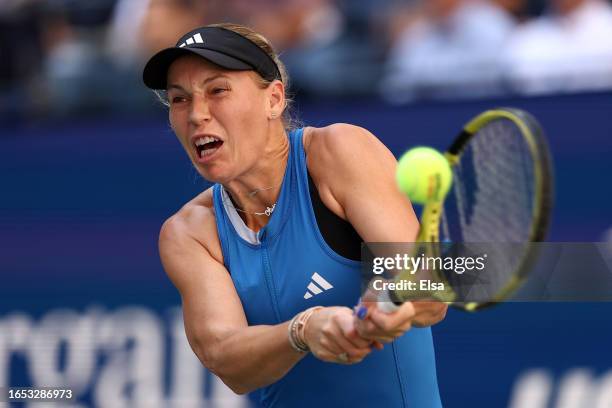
267	260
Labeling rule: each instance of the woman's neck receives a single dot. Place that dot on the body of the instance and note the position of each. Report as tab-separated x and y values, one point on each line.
259	188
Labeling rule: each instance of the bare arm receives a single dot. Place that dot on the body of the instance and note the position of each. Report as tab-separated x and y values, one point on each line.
364	192
245	358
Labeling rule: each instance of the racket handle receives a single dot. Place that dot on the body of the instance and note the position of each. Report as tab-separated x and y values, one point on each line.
385	304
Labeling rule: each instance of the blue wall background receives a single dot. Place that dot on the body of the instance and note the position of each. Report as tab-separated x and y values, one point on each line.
81	204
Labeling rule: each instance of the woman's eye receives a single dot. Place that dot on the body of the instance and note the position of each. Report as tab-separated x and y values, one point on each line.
178	99
217	91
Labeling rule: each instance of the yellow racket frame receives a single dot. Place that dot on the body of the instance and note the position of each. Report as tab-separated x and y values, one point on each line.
532	133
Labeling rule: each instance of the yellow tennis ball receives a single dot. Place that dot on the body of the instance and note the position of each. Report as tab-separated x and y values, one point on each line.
424	175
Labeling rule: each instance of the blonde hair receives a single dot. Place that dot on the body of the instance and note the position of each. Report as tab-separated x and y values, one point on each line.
262	42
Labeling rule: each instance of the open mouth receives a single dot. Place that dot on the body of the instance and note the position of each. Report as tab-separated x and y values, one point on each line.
207	145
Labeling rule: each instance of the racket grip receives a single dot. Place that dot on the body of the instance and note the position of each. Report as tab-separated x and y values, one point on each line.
385	304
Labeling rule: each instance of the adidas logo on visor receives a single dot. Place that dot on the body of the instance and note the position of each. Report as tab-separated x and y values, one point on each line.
314	289
197	38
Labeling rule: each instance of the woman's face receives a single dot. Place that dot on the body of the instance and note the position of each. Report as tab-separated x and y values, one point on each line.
221	117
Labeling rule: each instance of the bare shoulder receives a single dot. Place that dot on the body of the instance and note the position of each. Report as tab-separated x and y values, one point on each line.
344	147
193	224
355	176
339	156
335	137
343	143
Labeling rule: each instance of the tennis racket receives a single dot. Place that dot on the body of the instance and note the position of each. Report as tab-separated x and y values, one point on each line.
502	192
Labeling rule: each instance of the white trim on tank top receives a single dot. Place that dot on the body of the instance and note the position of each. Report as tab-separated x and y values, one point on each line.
243	231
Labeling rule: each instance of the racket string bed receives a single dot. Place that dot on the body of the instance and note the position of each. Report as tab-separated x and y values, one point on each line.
492	202
494	189
499	203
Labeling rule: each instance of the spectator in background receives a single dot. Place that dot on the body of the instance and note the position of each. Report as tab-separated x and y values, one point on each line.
140	28
166	20
312	38
448	48
570	49
328	45
94	50
77	77
124	32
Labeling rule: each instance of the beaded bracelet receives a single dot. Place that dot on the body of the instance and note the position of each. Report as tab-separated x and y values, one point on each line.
292	336
297	328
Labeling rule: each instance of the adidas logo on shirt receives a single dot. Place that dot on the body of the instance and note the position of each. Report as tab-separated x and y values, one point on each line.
314	289
194	39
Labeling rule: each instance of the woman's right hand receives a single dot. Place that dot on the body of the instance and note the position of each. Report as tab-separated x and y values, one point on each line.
331	335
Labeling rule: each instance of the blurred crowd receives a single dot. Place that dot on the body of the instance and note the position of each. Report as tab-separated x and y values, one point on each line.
66	57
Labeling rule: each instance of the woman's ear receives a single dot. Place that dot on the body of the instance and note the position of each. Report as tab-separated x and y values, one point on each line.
276	99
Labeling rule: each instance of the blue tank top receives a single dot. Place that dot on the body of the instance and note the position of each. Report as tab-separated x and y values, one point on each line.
291	269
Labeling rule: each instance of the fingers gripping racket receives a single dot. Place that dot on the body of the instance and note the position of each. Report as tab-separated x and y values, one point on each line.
502	189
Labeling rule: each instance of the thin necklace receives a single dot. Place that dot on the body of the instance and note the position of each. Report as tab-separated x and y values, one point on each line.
267	212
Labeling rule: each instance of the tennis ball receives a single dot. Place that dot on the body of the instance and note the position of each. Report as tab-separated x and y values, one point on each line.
424	175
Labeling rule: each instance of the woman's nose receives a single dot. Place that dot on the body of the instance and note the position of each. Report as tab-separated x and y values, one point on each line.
200	110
